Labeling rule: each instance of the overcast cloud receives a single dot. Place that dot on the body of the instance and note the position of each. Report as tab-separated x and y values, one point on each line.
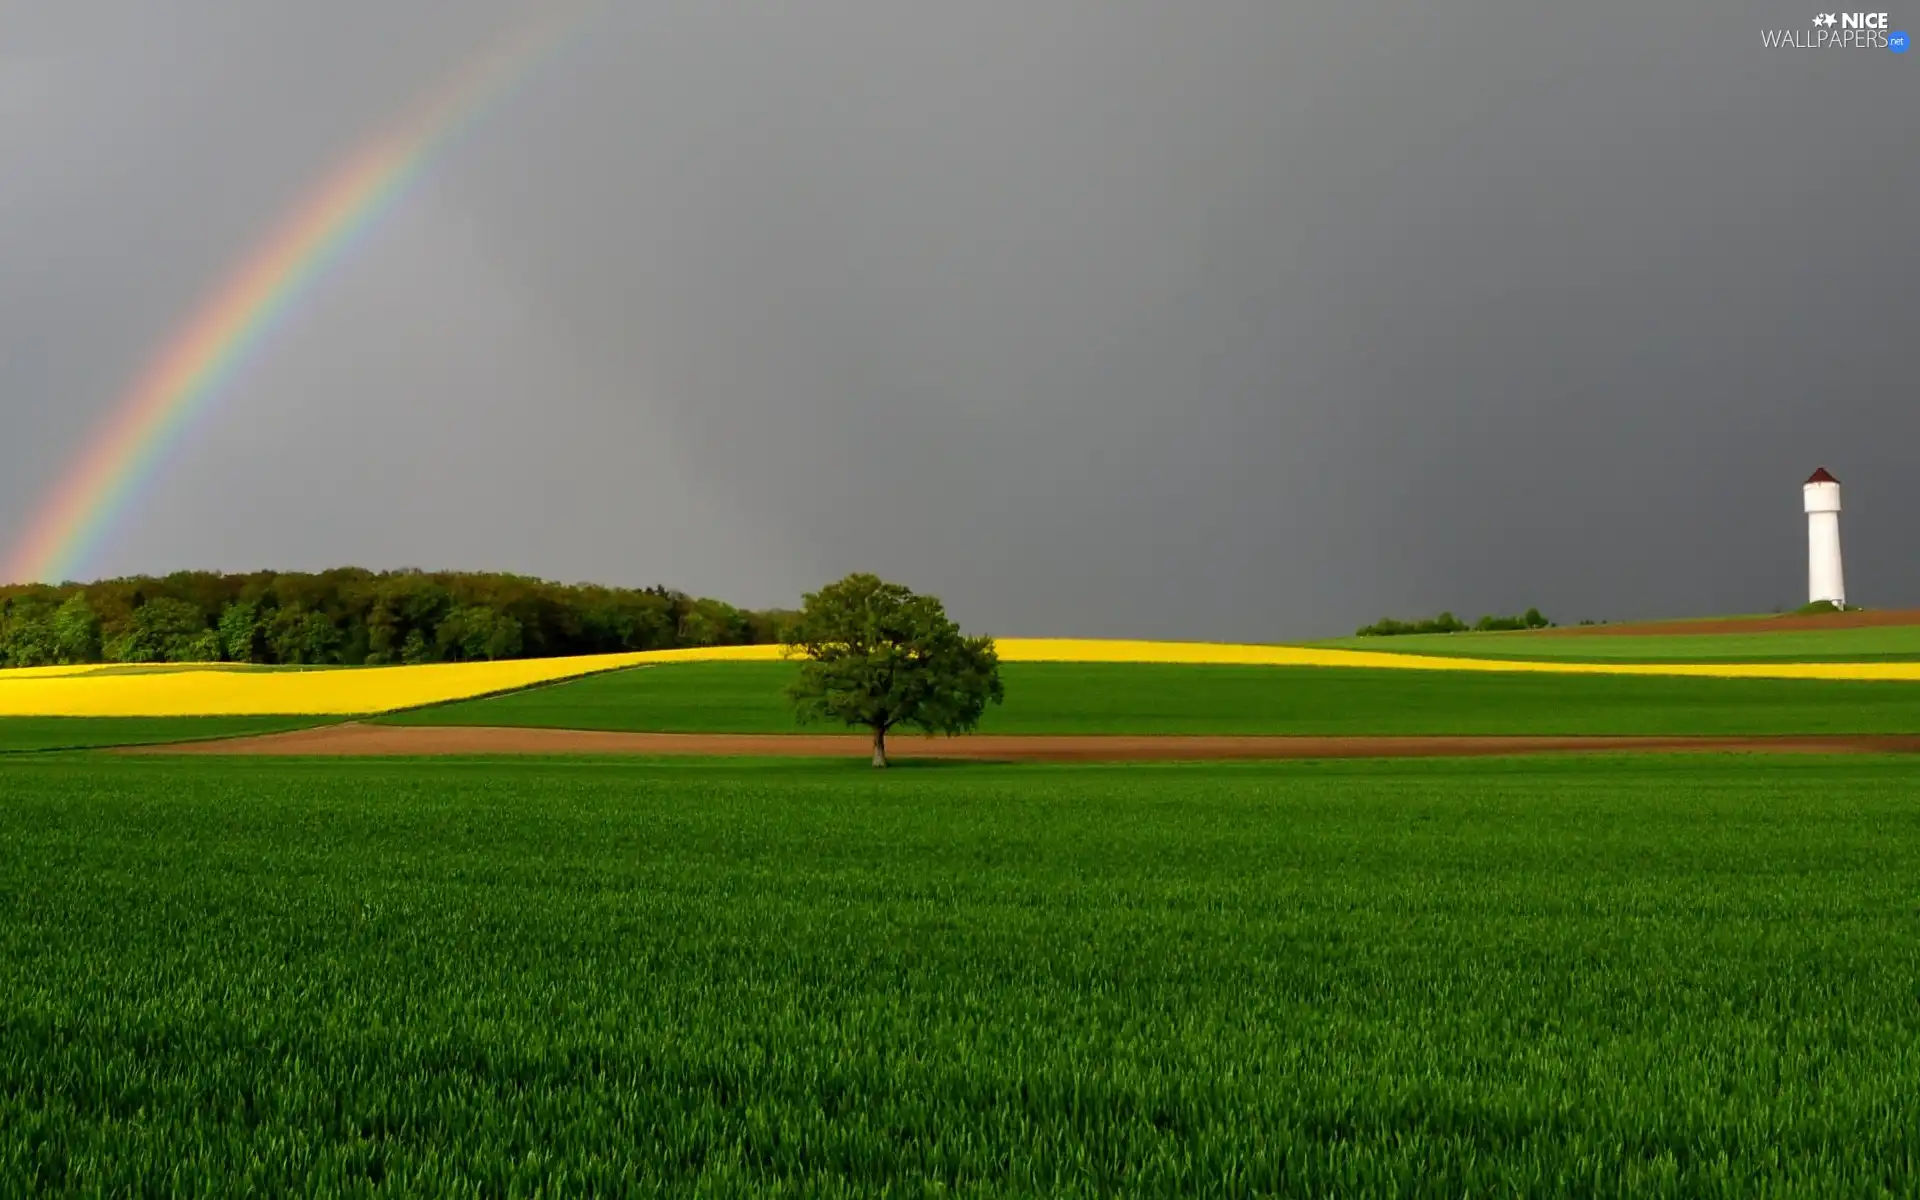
1245	320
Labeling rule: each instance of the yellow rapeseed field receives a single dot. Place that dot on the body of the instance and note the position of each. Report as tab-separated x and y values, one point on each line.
72	669
171	690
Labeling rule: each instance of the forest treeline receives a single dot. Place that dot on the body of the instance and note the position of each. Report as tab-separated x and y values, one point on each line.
1446	622
353	617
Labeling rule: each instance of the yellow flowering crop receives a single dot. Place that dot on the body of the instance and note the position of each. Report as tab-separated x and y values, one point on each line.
216	692
182	689
69	669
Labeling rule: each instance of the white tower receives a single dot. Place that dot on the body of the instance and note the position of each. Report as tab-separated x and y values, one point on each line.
1824	581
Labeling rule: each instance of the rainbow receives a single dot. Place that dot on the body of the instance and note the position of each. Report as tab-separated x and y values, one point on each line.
180	381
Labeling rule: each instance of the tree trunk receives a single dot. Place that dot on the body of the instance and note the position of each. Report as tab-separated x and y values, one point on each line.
879	745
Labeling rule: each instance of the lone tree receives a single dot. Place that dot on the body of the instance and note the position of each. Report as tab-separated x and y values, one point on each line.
875	655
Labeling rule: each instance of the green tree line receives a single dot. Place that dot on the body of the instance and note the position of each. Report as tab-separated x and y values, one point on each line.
1446	622
356	617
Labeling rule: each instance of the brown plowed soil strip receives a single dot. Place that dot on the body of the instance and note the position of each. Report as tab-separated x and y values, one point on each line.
389	740
1790	623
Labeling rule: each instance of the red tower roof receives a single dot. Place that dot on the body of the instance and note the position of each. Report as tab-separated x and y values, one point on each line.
1821	476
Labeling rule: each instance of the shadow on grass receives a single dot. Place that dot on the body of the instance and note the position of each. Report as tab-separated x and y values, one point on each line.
815	764
936	764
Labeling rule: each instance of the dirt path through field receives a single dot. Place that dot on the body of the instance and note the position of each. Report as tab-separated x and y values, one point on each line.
354	739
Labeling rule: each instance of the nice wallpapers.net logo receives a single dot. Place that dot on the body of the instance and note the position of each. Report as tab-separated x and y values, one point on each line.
1839	31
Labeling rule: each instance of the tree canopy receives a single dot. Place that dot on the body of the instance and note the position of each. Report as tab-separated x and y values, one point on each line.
877	656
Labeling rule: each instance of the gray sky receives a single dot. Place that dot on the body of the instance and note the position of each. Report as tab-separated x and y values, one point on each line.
1245	320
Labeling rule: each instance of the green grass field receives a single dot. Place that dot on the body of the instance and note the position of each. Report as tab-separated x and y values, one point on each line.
1624	976
19	734
1120	698
1872	644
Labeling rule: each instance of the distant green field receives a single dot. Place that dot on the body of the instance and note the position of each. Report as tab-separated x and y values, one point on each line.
1886	643
1647	977
1148	699
68	733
